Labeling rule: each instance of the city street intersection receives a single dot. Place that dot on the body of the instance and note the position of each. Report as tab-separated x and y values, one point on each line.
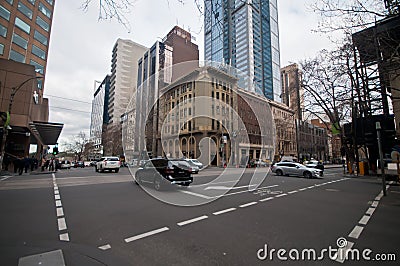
79	217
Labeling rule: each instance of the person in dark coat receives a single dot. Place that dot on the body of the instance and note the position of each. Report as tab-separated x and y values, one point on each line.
26	163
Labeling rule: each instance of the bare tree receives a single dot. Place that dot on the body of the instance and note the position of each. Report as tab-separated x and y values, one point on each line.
352	15
77	145
112	140
327	85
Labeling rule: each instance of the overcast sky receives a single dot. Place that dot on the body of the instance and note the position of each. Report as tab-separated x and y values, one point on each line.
81	47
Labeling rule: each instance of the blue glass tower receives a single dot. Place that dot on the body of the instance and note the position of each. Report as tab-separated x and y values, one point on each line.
245	35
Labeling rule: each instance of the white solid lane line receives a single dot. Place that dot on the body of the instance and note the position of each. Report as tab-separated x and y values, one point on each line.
192	220
248	204
294	191
196	194
280	195
224	211
157	231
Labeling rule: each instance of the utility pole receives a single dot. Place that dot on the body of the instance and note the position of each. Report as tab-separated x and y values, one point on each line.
378	131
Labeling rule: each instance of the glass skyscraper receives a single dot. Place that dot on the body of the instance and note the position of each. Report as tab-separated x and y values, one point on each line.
244	34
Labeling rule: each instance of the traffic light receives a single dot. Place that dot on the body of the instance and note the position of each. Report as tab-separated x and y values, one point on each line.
55	149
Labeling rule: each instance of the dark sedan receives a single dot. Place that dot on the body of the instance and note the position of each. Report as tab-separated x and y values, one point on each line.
79	164
161	172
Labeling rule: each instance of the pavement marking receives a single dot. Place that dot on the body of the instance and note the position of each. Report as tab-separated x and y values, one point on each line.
5	178
280	195
61	224
192	220
294	191
332	189
356	232
150	233
375	204
57	196
342	252
64	237
196	194
248	204
364	220
56	192
302	189
370	211
60	212
58	203
228	188
310	187
224	211
266	199
105	247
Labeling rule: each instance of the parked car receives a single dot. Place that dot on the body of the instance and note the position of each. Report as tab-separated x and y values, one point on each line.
161	171
296	169
79	164
87	163
315	164
65	164
196	163
195	168
108	163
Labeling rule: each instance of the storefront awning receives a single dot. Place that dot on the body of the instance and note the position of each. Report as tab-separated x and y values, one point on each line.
45	132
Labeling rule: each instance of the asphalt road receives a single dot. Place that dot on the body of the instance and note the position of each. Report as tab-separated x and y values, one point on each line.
106	219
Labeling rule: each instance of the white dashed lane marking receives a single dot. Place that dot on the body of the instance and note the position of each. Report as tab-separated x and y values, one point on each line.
224	211
105	247
157	231
248	204
357	230
192	220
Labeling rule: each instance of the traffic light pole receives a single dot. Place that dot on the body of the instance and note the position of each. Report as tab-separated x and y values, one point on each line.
378	132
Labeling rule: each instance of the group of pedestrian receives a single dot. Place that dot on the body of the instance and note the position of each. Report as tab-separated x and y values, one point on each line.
51	164
21	164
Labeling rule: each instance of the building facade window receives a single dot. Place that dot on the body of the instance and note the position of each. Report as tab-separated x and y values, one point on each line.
32	2
1	49
4	13
41	38
44	10
17	56
10	1
43	24
38	67
38	52
25	10
50	2
22	25
3	31
20	41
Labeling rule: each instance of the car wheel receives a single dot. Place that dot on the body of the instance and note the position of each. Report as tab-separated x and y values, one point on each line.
307	175
157	183
116	170
279	172
101	170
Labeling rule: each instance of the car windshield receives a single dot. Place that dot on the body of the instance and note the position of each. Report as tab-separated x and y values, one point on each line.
112	159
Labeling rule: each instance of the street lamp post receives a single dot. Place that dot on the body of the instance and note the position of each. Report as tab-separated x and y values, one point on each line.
14	90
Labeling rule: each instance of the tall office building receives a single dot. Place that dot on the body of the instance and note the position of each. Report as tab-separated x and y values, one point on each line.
25	27
158	67
244	34
123	80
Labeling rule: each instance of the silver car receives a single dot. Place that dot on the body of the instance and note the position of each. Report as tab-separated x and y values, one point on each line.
296	169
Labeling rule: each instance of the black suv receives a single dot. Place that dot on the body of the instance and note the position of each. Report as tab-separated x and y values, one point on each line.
162	171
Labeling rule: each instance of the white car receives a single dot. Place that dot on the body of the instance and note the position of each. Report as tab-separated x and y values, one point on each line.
196	163
296	169
108	163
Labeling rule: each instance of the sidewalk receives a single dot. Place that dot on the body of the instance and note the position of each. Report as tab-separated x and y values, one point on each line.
37	171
